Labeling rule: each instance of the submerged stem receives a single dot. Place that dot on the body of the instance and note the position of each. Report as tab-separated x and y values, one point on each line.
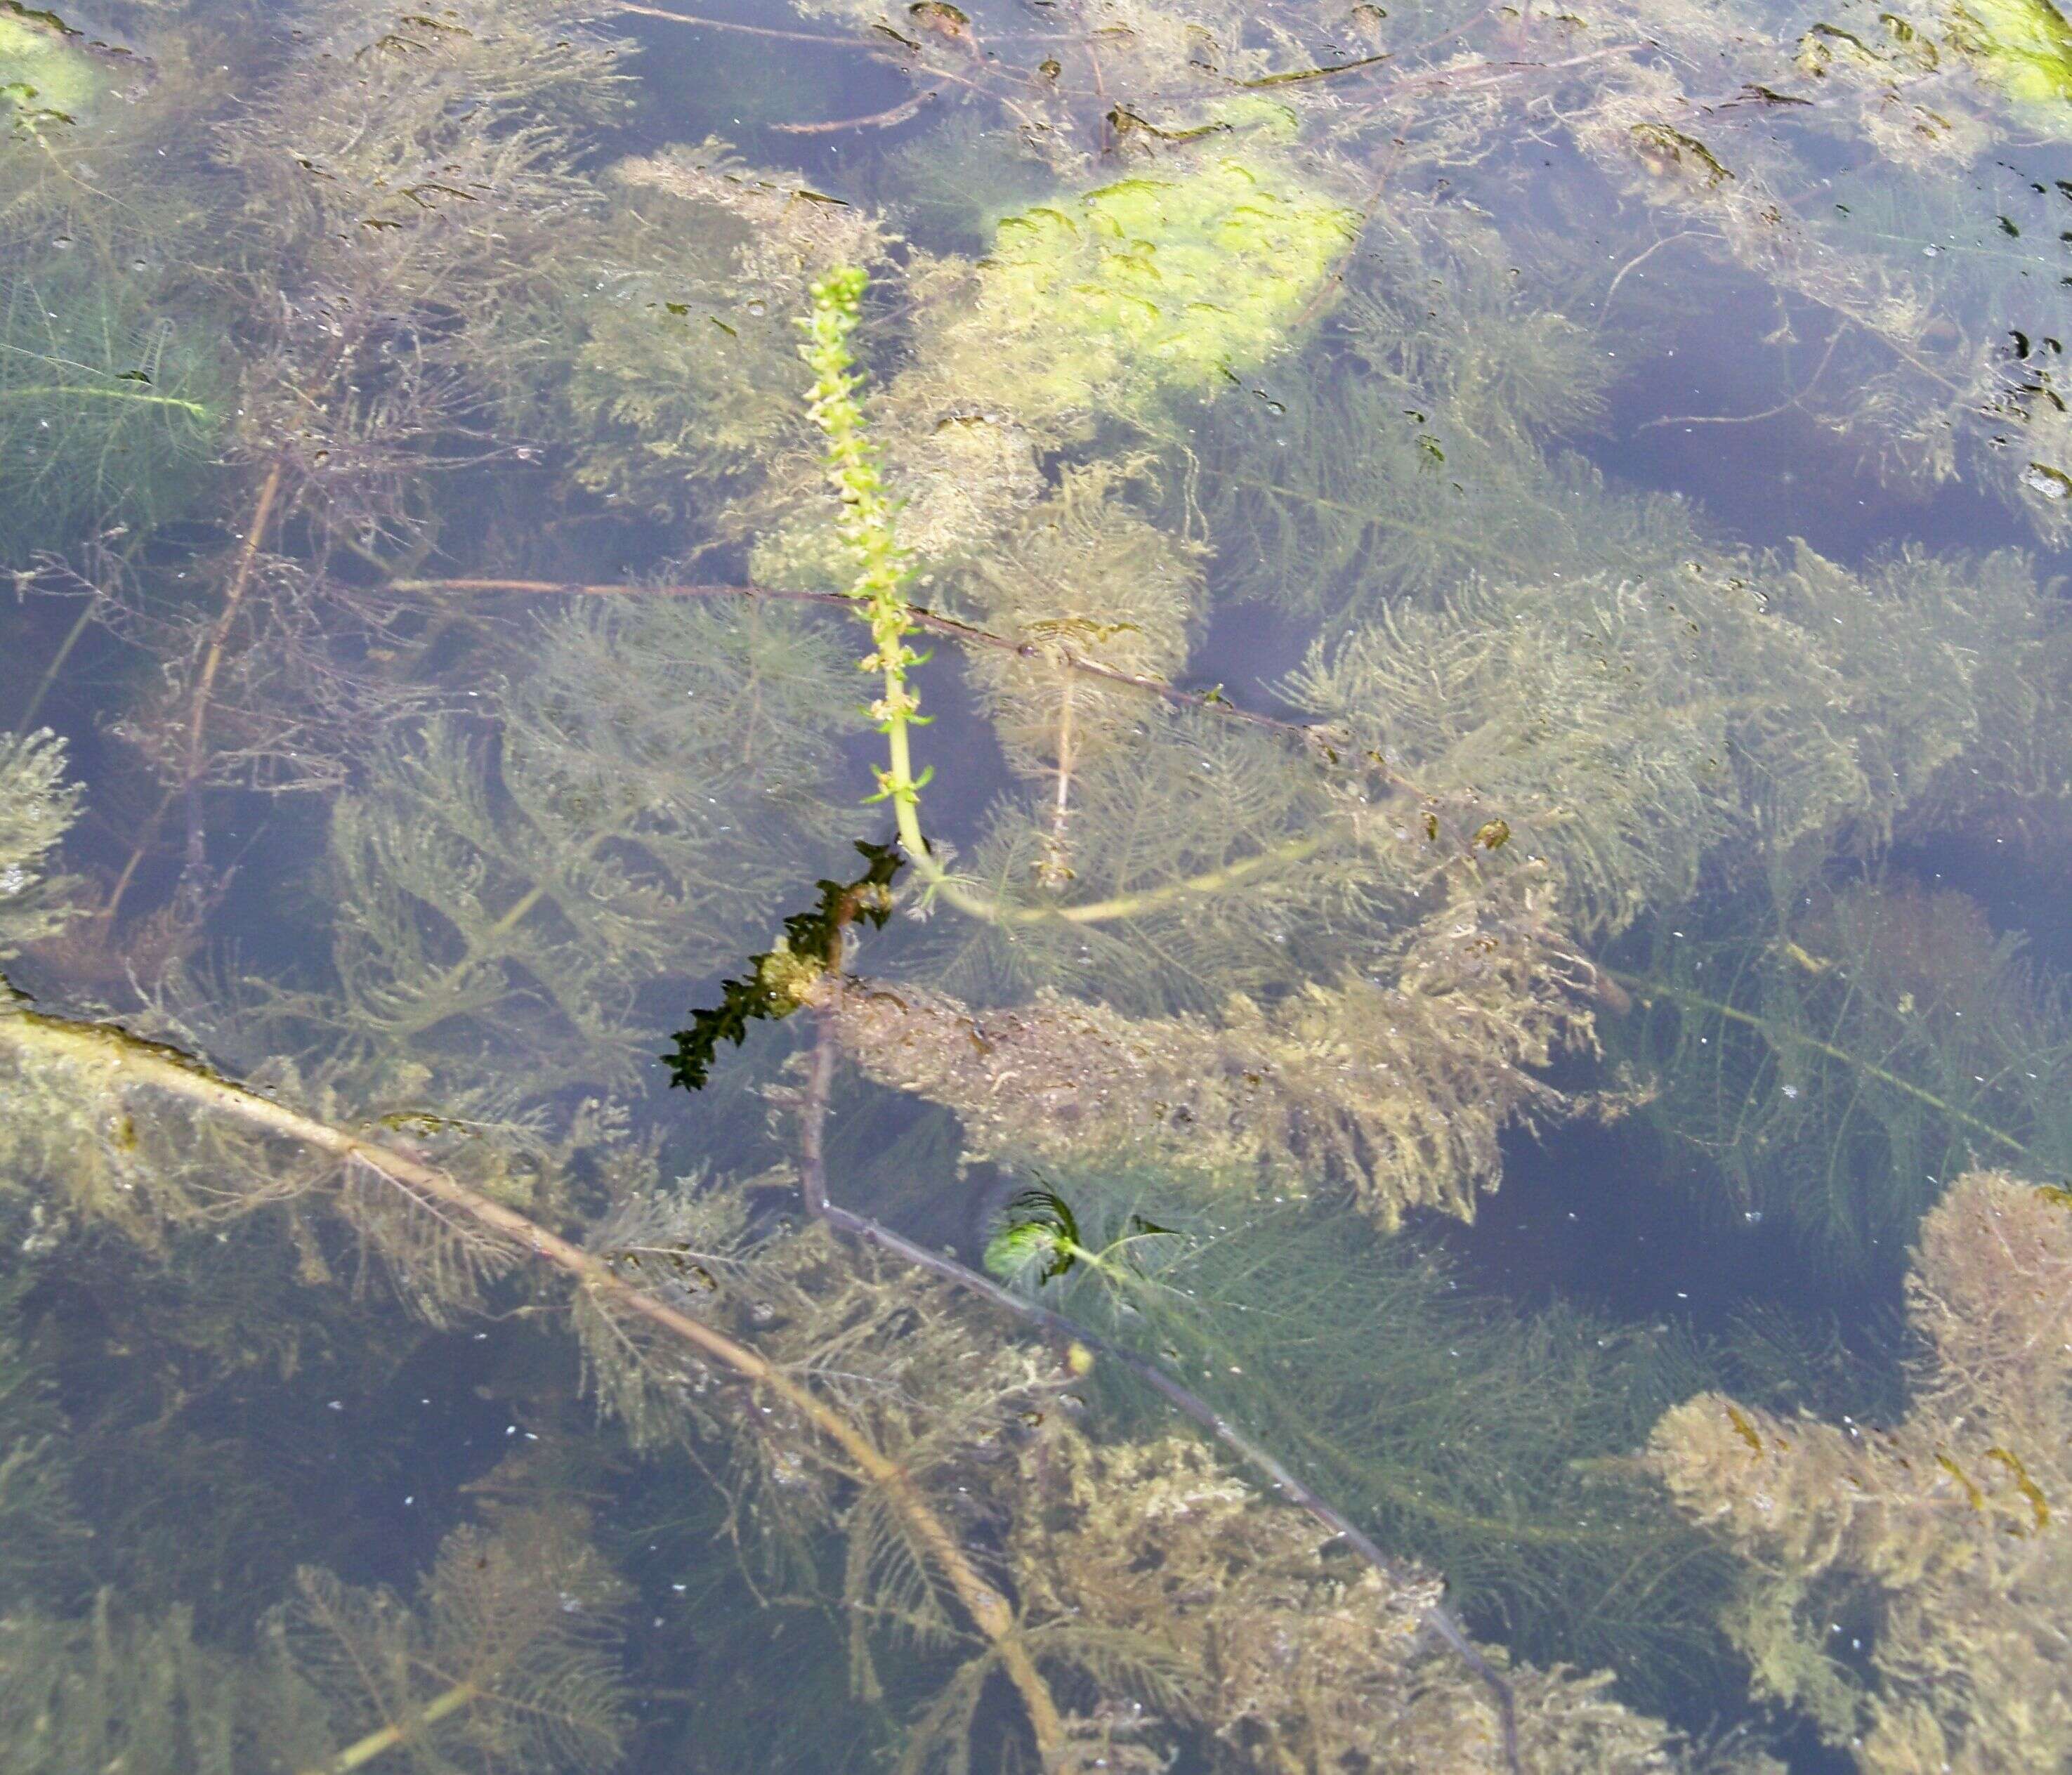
212	663
878	594
78	392
1647	990
364	1751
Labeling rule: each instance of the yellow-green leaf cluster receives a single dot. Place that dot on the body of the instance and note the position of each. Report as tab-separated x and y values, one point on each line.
1168	281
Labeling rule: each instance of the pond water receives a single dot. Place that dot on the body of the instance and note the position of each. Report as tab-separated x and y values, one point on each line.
1055	885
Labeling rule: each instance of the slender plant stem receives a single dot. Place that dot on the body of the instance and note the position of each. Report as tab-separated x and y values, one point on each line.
219	639
364	1751
119	1061
189	787
50	677
1057	863
138	850
82	391
731	24
1647	991
877	120
1291	851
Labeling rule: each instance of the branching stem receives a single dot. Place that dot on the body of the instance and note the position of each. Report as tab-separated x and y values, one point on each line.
219	639
878	594
120	1061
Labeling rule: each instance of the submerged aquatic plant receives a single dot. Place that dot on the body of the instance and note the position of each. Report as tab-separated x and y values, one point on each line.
109	400
1395	1093
870	1412
1336	959
879	586
1838	1070
505	1660
772	987
36	806
1942	1534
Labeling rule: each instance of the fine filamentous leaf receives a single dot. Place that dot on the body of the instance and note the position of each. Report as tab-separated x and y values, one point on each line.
649	785
1839	1070
107	409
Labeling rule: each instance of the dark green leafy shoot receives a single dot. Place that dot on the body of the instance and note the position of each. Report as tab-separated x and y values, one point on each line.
1040	1239
763	993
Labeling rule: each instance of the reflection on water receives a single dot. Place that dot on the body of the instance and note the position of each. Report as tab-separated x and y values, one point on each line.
1429	1133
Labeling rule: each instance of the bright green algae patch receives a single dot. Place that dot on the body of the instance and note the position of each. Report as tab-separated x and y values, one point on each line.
2023	46
1157	283
40	76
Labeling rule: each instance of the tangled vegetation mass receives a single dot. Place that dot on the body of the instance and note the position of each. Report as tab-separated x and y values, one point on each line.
497	523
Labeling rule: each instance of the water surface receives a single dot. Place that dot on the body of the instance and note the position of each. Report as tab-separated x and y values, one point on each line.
1447	864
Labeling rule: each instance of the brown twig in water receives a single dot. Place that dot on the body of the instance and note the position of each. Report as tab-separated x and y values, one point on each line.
118	1060
731	24
1782	407
1056	865
1490	73
219	638
877	120
188	789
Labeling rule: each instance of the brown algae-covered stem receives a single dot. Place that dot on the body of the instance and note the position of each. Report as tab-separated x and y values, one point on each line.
123	1060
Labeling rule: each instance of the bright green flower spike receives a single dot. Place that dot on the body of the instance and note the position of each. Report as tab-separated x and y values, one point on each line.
1152	285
